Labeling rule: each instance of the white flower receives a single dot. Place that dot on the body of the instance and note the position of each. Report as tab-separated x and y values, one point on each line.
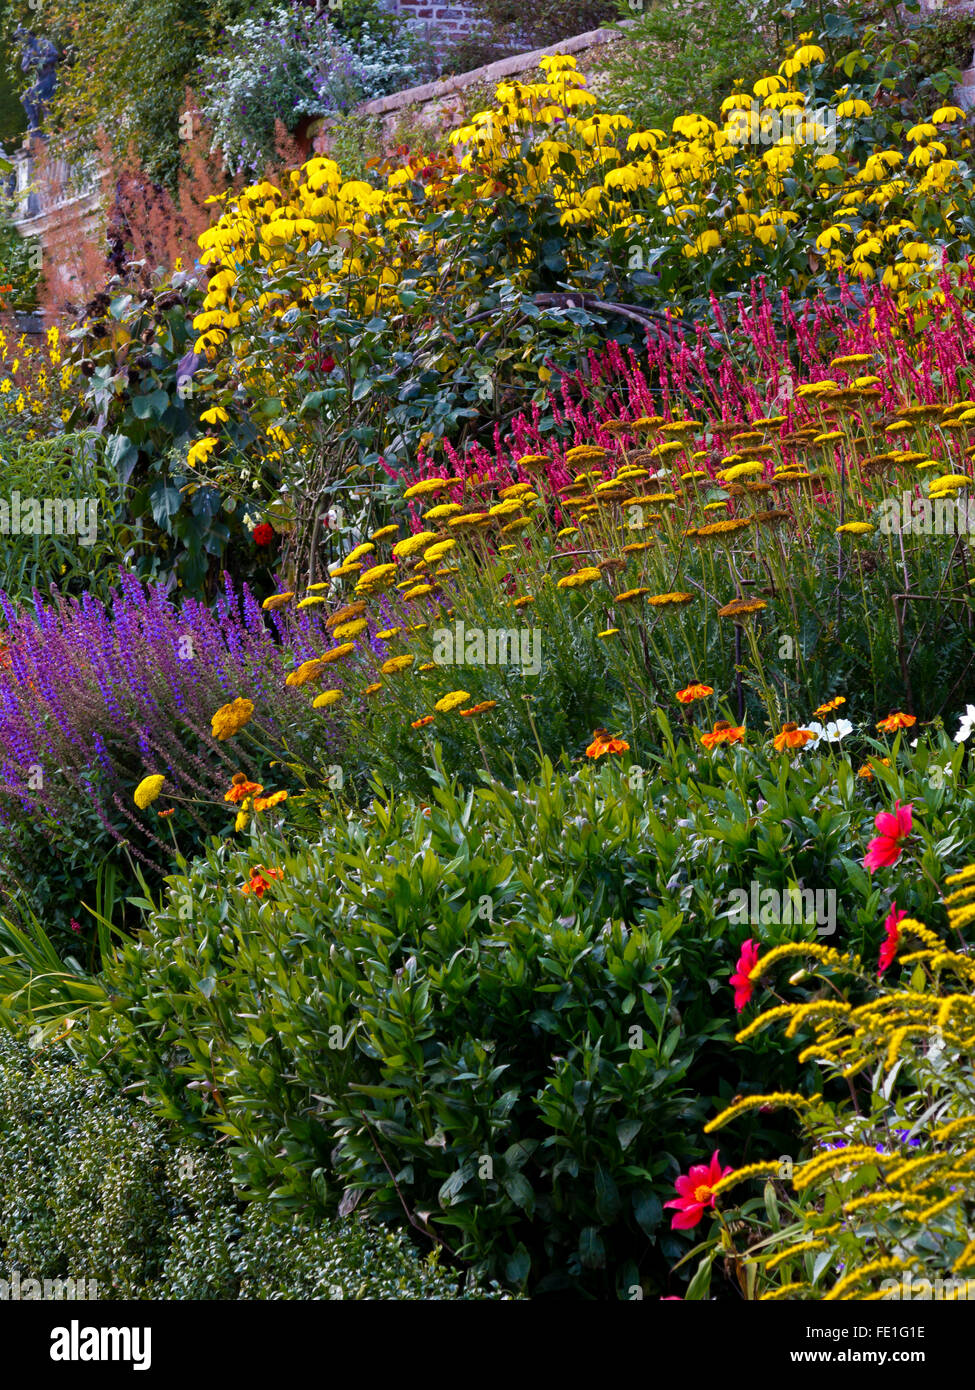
834	732
967	724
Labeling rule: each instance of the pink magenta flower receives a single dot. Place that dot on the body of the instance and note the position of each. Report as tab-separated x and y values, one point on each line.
893	828
743	986
888	949
695	1193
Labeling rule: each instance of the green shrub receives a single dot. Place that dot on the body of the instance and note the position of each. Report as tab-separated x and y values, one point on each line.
676	58
514	1005
59	470
18	267
93	1187
135	350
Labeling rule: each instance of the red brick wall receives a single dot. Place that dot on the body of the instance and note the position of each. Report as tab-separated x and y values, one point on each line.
442	21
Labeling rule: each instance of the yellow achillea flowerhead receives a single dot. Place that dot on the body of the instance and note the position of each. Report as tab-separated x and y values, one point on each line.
148	790
413	543
344	615
337	653
307	671
586	453
379	577
277	601
327	697
672	600
742	607
396	663
451	701
444	509
717	529
230	719
428	486
384	533
350	629
438	551
740	470
587	575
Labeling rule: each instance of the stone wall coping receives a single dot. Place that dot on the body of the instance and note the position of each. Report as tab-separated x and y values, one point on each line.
494	72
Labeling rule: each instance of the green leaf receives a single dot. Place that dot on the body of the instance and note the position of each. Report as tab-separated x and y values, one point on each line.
608	1202
519	1189
592	1251
700	1286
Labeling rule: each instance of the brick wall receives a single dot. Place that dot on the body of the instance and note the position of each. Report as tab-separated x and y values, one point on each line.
440	22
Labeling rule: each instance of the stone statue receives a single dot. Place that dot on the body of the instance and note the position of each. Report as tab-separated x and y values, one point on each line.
38	55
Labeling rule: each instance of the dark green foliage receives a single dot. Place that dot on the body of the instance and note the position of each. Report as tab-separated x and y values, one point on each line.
517	1005
93	1187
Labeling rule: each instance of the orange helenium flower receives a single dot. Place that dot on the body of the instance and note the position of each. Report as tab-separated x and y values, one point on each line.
792	737
603	743
723	732
829	706
690	693
896	721
241	789
260	880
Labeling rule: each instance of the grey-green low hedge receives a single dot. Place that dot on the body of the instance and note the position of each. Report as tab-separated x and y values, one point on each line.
94	1188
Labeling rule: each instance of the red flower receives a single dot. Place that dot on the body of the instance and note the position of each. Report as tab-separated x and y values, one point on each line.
695	1193
697	691
263	534
602	744
893	827
327	362
75	926
888	949
260	880
743	986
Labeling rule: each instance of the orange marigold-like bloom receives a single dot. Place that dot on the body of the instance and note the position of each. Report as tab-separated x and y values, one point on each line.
895	721
829	706
267	803
603	743
260	879
422	723
477	709
792	737
693	692
866	772
723	732
241	789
